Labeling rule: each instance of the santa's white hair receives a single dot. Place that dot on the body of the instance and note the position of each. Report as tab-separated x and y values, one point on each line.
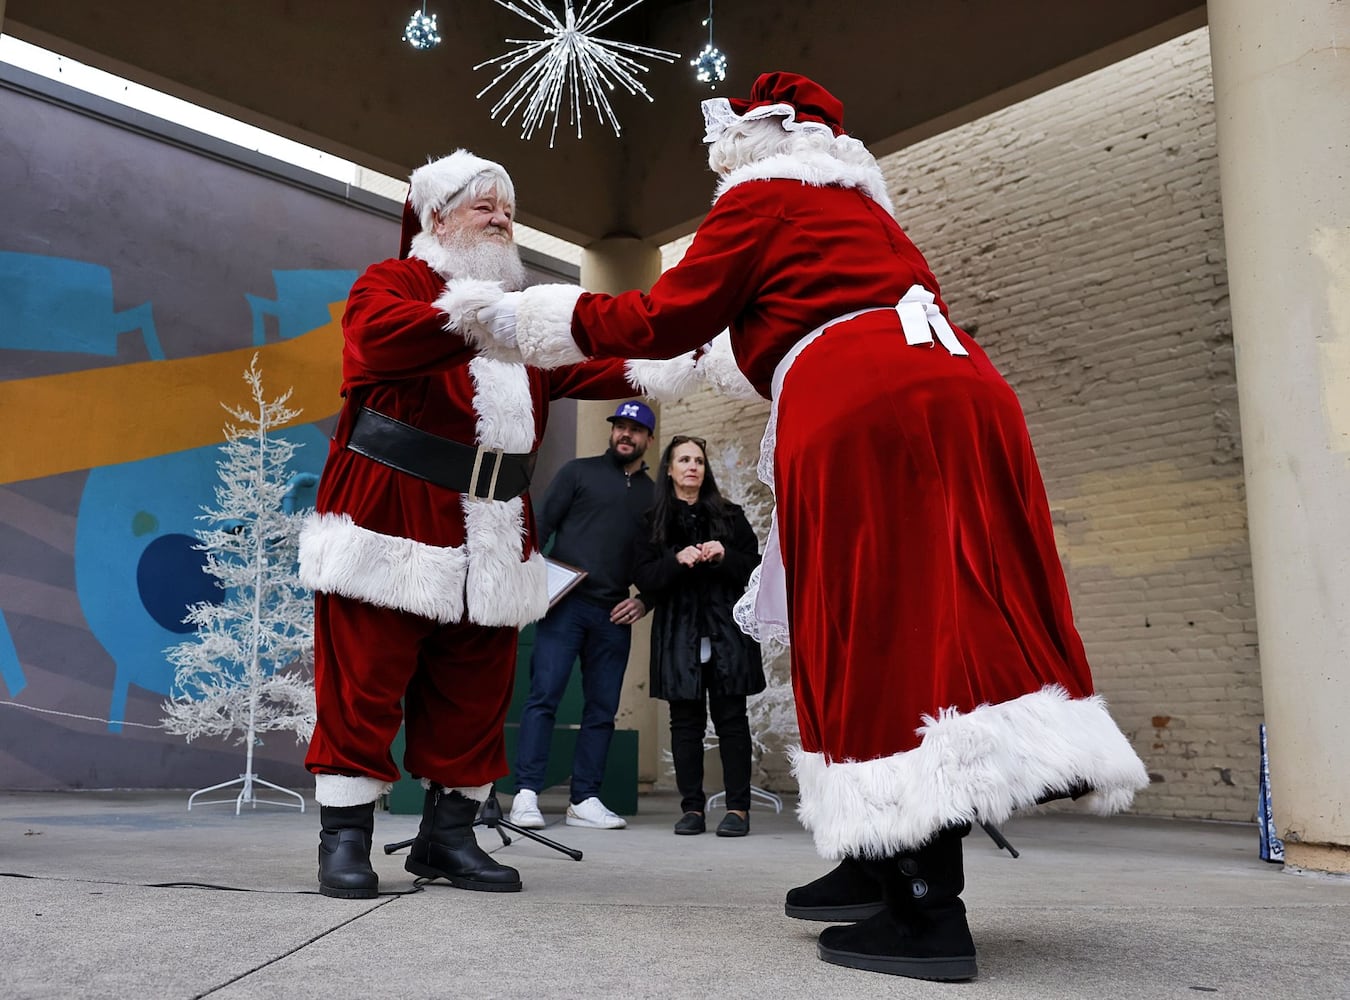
745	142
484	185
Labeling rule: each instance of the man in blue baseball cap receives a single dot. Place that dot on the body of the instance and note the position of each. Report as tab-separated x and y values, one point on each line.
594	511
635	412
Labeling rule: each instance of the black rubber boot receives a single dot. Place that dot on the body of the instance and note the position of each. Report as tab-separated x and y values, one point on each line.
922	932
850	892
344	852
446	847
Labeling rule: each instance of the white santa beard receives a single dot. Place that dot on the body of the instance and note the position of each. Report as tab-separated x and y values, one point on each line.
471	253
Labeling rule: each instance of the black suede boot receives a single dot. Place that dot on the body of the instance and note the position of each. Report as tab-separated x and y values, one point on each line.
447	848
850	892
344	852
922	932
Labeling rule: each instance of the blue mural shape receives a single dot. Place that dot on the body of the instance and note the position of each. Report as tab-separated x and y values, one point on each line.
11	672
58	304
136	566
302	302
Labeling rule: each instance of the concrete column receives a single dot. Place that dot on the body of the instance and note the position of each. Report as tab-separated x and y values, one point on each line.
1282	102
616	264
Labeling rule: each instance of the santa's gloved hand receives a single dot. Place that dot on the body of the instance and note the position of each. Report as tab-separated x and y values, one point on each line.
499	319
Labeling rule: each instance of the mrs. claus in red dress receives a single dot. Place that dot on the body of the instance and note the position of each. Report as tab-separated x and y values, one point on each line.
938	675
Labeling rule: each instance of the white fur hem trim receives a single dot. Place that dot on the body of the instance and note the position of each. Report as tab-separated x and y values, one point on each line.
722	374
544	326
344	790
980	766
816	169
502	590
338	556
664	381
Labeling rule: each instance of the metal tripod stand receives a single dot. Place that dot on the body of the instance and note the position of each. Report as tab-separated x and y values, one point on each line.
490	815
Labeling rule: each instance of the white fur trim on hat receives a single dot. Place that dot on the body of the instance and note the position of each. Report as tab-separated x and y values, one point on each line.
347	790
972	767
818	169
432	186
720	372
544	326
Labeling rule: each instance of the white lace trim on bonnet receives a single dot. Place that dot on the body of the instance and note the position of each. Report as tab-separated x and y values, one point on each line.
718	117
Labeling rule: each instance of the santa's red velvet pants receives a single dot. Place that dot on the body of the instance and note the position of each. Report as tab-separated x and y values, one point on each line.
449	684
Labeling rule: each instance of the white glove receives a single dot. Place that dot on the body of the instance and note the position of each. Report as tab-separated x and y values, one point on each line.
499	319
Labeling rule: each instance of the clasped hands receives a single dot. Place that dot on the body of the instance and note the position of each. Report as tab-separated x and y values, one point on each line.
498	319
692	555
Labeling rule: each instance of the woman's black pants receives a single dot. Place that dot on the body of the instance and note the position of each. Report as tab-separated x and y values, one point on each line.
688	722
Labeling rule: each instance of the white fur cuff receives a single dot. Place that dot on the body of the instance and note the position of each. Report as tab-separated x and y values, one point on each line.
344	790
544	326
664	381
721	374
461	302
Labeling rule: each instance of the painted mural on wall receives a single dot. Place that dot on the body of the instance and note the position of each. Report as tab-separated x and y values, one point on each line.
137	279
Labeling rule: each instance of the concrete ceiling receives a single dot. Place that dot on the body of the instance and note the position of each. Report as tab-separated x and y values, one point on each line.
336	75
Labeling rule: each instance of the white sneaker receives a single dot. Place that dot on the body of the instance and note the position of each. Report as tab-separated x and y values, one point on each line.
593	813
525	811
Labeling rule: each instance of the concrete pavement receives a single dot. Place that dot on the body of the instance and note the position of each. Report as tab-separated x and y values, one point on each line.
102	896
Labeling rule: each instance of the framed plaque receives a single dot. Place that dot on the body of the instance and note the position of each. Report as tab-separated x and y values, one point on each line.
561	579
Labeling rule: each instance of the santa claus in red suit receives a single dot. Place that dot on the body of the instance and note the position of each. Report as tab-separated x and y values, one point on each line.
938	675
421	549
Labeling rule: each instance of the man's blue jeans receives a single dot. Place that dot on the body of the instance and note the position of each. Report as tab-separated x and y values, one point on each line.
574	628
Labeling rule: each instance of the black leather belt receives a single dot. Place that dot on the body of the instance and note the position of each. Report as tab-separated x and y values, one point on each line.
488	473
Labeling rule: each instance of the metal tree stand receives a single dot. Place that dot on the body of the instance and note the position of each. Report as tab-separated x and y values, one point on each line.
248	779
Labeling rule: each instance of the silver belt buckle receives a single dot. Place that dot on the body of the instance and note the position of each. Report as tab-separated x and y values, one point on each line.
478	465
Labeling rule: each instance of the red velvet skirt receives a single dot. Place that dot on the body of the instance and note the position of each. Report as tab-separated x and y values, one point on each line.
922	571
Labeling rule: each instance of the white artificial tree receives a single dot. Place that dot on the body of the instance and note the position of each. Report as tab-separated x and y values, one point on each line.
248	668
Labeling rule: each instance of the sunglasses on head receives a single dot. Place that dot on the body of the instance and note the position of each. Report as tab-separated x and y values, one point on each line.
679	439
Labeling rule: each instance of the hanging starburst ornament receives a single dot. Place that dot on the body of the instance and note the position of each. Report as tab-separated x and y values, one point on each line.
710	66
421	32
568	62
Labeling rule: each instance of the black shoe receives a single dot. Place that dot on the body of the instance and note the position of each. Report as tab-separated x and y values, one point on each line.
847	893
446	847
733	825
922	933
344	852
689	824
935	946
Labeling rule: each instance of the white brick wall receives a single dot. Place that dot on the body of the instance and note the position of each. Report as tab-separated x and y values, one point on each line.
1078	236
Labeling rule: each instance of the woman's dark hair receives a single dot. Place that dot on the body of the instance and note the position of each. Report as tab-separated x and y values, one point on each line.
665	510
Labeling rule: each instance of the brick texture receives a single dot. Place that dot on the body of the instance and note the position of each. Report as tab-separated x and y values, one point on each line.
1078	236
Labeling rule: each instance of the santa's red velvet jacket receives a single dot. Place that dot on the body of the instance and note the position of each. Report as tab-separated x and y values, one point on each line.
391	539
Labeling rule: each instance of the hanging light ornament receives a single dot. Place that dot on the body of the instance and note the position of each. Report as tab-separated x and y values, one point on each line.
710	66
568	61
421	32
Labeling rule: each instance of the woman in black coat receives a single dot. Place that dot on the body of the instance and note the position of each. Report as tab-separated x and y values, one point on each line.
694	562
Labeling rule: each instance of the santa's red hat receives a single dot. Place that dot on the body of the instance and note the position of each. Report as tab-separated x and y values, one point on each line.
431	187
801	103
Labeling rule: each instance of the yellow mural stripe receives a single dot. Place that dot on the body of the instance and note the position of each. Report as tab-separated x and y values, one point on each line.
104	416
